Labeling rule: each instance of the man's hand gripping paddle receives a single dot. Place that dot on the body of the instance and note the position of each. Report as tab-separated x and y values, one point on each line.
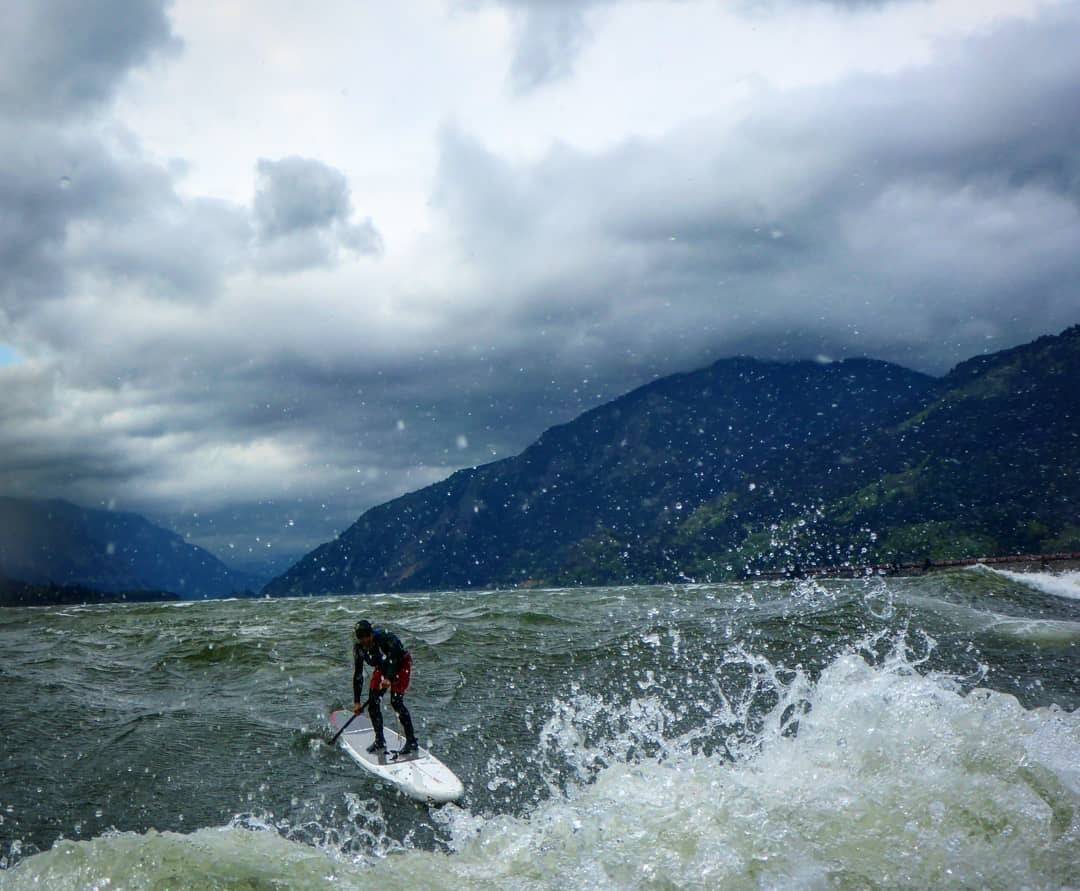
334	738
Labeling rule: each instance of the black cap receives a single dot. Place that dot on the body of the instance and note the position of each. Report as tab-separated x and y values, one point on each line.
362	629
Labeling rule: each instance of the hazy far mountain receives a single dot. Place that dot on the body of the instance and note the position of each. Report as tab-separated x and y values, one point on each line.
59	543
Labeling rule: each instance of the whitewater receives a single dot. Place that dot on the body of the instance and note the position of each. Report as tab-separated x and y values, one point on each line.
867	733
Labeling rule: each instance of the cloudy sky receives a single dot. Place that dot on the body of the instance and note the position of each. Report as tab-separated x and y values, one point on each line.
263	268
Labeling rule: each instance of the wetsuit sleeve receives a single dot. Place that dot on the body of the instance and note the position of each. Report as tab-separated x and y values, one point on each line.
357	674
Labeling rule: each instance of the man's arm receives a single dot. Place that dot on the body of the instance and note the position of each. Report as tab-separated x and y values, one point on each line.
357	674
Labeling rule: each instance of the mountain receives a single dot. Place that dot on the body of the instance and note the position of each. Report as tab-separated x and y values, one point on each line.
992	457
742	467
16	593
595	499
986	464
58	543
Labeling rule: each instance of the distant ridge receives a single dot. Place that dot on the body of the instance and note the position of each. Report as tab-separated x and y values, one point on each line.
747	466
16	593
54	542
1020	562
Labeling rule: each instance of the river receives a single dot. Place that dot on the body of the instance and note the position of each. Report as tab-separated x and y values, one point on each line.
867	733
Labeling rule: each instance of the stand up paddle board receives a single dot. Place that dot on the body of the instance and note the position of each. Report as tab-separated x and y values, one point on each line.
419	775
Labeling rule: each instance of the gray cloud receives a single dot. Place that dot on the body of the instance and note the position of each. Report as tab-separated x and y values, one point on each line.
854	5
74	206
59	57
124	393
882	215
302	208
548	38
296	194
922	217
81	208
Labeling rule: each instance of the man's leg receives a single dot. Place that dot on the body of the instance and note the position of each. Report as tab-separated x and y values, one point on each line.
397	703
374	711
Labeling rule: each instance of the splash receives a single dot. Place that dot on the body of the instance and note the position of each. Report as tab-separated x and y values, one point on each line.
710	767
891	778
874	775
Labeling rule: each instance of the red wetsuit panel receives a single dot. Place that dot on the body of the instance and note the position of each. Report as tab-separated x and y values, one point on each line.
399	684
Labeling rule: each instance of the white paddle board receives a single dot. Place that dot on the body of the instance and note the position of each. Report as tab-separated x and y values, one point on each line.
420	775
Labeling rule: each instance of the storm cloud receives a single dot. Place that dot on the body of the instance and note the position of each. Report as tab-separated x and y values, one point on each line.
65	57
302	209
257	365
549	36
884	215
548	39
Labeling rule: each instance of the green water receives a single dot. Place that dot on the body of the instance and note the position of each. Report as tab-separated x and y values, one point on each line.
847	734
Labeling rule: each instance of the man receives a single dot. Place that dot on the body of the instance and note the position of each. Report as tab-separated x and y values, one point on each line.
393	665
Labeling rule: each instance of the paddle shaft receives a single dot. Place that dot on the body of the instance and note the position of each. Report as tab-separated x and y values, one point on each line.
334	738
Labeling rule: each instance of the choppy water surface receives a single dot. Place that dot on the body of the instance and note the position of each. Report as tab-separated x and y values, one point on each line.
901	733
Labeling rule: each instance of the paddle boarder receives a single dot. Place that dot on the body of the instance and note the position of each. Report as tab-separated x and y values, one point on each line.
393	665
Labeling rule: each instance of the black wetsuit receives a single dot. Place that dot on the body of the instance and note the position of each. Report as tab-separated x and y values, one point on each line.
388	655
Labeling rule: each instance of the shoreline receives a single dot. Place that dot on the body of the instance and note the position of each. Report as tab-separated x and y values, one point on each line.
1020	563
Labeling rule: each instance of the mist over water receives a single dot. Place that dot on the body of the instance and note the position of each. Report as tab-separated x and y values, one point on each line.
891	733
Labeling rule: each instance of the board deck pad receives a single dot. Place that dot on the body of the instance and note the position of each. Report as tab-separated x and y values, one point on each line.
420	774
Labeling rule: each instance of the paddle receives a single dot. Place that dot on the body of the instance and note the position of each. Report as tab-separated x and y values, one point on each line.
334	738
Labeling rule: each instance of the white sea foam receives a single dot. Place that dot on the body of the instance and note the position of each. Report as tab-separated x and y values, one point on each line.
894	779
1060	584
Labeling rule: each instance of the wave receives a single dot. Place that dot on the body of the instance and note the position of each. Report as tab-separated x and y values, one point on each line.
224	857
1059	584
1046	631
980	620
875	774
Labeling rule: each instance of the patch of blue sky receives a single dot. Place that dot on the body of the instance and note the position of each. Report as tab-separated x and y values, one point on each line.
8	356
